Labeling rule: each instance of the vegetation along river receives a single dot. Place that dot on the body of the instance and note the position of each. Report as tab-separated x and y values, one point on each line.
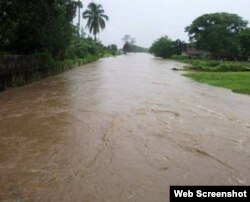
120	129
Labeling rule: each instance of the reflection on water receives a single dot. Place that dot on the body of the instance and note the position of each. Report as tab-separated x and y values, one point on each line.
120	129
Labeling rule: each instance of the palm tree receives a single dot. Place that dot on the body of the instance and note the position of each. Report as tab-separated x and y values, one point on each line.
96	18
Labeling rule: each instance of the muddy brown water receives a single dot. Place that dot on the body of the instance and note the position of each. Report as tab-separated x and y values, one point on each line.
120	129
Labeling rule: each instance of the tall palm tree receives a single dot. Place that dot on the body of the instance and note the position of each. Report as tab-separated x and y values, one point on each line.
95	18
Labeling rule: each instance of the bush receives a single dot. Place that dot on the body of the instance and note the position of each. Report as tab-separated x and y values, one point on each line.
197	64
226	67
179	57
161	47
166	48
212	63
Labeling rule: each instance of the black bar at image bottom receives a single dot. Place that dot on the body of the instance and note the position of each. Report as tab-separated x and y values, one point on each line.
209	193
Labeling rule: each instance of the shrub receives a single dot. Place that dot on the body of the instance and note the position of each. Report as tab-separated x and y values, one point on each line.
226	67
161	47
179	57
212	63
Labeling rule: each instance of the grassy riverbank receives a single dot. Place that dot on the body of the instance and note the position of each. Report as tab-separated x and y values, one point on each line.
238	82
56	66
20	70
213	65
233	75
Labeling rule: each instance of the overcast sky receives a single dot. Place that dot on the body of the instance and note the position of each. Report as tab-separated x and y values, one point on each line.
147	20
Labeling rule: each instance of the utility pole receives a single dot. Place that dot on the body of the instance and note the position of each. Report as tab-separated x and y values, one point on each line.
79	15
79	5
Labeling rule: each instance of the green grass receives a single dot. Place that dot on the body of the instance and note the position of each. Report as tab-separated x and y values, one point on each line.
238	82
213	65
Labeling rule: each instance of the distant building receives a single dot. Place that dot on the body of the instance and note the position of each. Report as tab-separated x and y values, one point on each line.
195	53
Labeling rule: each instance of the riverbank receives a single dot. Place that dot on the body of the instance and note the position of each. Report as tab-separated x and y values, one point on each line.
238	82
233	75
212	65
19	70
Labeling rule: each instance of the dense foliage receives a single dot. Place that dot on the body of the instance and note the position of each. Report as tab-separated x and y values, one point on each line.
218	33
45	26
244	40
165	47
113	49
36	26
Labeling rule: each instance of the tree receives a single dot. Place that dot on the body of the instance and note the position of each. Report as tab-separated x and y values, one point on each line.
79	6
36	26
132	41
161	47
165	47
95	18
84	47
113	49
177	47
217	33
130	45
126	38
244	39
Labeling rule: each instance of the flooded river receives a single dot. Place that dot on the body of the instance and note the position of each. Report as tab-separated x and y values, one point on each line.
120	129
